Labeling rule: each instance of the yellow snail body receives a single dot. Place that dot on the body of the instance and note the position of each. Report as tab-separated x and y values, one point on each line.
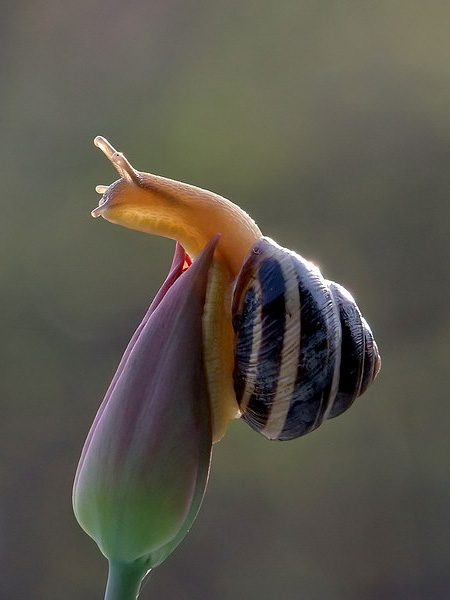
283	348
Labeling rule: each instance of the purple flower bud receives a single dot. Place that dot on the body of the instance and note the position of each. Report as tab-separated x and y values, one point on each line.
145	464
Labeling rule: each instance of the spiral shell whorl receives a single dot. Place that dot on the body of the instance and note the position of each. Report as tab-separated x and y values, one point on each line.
360	361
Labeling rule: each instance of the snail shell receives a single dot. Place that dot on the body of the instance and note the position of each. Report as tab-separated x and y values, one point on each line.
303	352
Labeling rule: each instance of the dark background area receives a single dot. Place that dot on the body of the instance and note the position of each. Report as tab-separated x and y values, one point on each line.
329	122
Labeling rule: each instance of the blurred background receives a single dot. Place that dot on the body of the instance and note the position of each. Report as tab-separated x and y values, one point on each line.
329	122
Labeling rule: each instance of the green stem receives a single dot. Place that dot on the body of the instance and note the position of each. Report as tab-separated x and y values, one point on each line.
124	581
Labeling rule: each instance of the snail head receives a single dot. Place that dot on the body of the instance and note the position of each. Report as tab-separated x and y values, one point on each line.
124	191
180	211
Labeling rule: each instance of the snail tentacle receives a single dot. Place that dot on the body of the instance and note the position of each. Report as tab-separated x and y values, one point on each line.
120	162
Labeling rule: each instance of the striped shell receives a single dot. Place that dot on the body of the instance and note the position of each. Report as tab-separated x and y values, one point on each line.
303	352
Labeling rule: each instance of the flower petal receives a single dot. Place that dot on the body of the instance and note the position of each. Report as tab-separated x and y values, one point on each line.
180	259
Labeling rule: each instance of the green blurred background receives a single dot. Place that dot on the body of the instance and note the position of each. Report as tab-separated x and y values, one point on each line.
329	122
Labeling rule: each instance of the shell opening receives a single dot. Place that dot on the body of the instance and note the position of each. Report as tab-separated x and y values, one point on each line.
119	161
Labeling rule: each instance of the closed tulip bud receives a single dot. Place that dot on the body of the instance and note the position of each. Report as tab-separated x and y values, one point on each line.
145	463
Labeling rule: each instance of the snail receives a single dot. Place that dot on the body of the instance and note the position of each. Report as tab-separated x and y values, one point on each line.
283	348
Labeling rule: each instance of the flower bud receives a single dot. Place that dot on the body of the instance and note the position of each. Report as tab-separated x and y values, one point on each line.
145	463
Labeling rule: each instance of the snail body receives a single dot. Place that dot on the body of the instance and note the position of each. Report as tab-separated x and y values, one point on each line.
283	347
192	216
